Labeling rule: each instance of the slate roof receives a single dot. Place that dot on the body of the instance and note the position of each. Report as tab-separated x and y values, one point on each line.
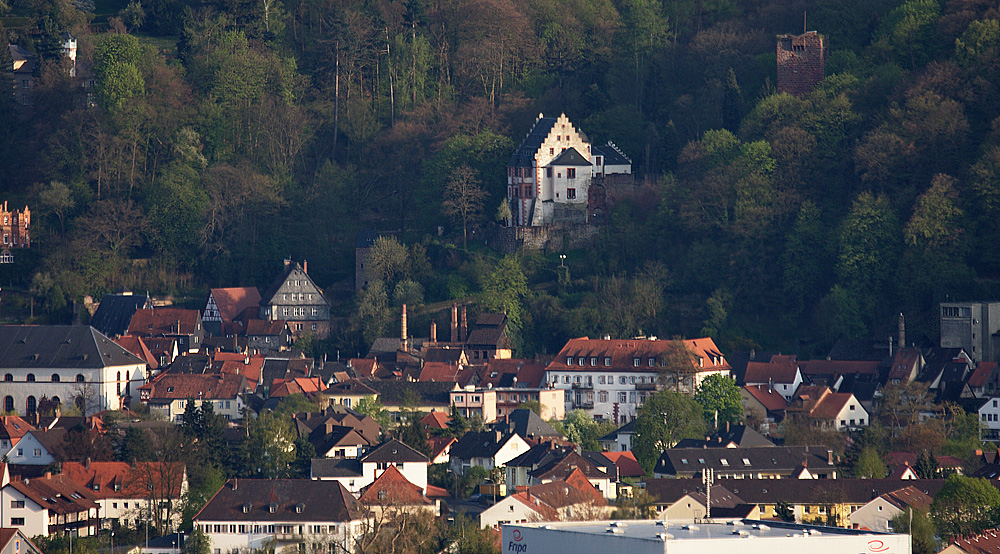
292	500
115	312
773	459
612	156
524	156
430	393
871	350
528	424
545	453
934	362
739	435
478	444
394	451
569	157
335	467
164	321
562	468
60	347
837	367
233	301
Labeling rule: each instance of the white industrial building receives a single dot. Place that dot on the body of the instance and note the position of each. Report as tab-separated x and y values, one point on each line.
659	537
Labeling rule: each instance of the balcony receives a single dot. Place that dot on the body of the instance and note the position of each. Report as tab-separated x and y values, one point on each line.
645	386
583	404
584	386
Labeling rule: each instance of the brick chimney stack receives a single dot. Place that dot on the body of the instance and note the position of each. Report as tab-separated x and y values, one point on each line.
434	331
402	332
902	332
454	322
464	331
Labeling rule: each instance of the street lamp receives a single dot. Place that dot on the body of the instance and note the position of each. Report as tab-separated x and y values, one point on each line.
562	259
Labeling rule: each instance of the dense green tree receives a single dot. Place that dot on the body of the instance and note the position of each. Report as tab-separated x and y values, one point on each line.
919	526
720	400
504	289
964	506
665	418
869	465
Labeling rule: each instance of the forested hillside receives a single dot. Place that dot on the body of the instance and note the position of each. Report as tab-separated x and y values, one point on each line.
224	136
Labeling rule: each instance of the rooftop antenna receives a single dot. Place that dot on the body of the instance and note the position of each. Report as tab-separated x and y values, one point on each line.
804	26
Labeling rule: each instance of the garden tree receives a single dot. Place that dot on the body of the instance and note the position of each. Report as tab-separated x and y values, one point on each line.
961	429
639	504
463	199
135	444
468	537
532	405
387	261
458	424
784	511
665	418
394	528
504	289
162	481
175	205
580	428
80	443
720	400
919	526
304	454
926	465
675	369
503	214
197	543
374	314
902	405
372	406
965	506
799	431
870	465
268	450
412	433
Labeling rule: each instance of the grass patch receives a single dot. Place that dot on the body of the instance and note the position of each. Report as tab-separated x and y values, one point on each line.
166	45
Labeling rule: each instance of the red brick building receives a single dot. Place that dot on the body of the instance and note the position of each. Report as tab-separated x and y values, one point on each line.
801	62
14	226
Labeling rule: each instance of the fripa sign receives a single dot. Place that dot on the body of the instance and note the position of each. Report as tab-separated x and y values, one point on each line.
516	544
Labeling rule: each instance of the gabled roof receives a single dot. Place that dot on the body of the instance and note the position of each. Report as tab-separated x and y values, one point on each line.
524	156
265	328
612	155
170	386
122	480
512	372
982	374
569	157
59	347
435	420
290	500
626	429
233	301
428	393
7	534
781	369
705	355
739	436
335	467
298	385
291	270
627	465
352	386
439	445
837	367
115	312
439	371
771	399
987	542
773	459
445	355
138	348
904	362
793	491
56	493
13	427
392	488
164	322
394	451
818	402
564	467
528	424
479	444
909	496
574	490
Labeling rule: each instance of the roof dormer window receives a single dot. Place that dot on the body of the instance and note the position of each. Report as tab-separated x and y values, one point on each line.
272	507
635	362
569	360
607	361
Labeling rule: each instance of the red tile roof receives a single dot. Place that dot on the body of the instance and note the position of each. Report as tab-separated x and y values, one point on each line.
56	493
988	542
7	534
299	385
781	369
392	488
435	420
909	496
263	328
164	321
528	372
366	367
179	386
982	374
576	489
137	346
628	466
770	398
440	444
819	402
623	352
233	301
13	427
438	371
121	480
904	364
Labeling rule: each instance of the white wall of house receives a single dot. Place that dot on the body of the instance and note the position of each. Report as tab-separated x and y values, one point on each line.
108	386
874	515
23	513
852	416
29	451
598	392
508	510
173	411
415	472
229	536
989	414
